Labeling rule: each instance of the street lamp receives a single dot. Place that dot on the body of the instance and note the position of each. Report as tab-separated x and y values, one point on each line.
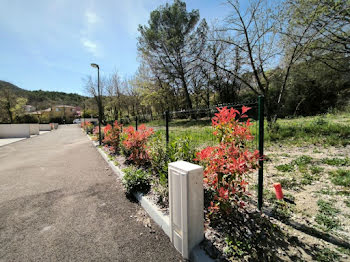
99	104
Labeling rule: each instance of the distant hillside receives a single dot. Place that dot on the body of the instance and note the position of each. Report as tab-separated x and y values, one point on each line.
43	99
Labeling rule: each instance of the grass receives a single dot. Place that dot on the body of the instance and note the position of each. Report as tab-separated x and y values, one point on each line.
336	161
340	177
326	216
315	170
327	255
285	168
347	202
328	130
302	160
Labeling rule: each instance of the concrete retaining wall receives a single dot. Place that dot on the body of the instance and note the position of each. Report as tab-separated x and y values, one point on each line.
45	127
34	129
14	130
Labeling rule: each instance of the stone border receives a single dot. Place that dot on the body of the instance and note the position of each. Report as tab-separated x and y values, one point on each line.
198	254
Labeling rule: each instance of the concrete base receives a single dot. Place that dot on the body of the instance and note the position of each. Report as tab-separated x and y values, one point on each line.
45	127
34	129
14	130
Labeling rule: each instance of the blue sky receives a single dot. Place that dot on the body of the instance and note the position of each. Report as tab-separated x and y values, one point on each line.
49	44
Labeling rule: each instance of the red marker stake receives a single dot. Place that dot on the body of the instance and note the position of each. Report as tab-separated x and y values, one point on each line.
278	191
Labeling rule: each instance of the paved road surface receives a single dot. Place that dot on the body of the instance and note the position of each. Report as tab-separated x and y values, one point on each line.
60	202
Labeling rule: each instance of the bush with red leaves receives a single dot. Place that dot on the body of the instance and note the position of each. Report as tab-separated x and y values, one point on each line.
228	164
135	143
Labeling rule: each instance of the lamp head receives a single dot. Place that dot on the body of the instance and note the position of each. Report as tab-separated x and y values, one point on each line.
95	65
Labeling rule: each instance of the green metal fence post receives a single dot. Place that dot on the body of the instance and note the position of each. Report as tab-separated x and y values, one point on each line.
261	150
167	127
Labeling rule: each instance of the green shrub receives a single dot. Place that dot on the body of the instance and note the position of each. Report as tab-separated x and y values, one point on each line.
327	255
158	157
340	177
316	169
285	168
288	183
182	149
302	160
136	180
327	215
336	161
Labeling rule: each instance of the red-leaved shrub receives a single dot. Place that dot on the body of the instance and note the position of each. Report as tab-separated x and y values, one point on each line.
135	143
112	137
228	164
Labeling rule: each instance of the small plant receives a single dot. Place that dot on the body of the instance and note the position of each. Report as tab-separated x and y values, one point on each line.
347	202
235	248
112	137
282	210
135	143
302	160
327	255
336	161
227	164
87	126
327	215
136	180
285	168
96	133
307	179
316	170
340	177
288	183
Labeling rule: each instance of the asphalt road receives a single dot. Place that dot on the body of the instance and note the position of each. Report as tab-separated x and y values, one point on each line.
60	202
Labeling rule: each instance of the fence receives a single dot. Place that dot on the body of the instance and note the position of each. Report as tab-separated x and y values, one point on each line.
196	126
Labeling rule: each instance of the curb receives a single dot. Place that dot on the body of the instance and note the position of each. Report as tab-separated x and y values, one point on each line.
198	254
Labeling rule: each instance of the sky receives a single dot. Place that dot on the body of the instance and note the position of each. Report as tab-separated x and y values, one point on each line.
50	44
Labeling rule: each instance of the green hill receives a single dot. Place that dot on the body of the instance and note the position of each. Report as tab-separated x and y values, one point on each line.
43	99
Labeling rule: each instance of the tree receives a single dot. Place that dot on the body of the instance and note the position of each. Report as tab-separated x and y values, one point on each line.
171	43
258	33
329	32
11	105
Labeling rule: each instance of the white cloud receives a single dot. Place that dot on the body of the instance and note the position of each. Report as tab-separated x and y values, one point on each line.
90	46
91	17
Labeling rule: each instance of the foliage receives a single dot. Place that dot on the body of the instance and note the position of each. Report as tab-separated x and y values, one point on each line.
136	180
285	168
87	126
327	255
340	177
282	210
227	165
170	44
302	160
161	156
112	136
327	215
96	133
336	161
135	142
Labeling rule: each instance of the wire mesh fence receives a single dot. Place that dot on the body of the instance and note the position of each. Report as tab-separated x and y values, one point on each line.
196	126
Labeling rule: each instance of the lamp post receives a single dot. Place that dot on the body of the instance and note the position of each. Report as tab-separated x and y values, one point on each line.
99	103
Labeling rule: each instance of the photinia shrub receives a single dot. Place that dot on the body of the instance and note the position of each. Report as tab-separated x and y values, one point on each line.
228	164
112	137
87	126
135	144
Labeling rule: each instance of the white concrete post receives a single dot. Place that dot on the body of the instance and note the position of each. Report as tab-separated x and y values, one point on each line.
186	204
